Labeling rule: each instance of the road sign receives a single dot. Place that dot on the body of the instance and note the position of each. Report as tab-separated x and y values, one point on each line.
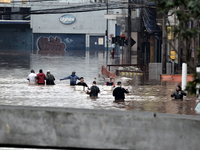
132	42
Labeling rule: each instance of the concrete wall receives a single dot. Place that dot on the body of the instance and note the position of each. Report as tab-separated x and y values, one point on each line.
67	127
155	70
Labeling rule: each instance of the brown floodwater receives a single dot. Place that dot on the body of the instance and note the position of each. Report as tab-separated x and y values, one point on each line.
145	94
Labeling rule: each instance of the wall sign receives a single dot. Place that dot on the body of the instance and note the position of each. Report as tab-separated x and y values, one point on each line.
100	41
67	19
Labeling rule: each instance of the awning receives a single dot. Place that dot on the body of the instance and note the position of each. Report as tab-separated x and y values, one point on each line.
150	22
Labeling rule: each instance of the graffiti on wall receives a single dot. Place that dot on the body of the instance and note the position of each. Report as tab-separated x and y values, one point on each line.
50	45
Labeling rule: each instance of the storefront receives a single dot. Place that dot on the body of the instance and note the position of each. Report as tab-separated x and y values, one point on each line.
57	33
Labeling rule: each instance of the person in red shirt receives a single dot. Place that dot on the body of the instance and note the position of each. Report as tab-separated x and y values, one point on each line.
113	54
41	77
110	83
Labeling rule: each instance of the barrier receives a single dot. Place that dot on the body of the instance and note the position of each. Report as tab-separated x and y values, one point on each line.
103	129
107	73
128	73
175	78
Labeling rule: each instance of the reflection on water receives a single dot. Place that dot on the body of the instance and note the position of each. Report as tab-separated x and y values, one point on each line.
145	95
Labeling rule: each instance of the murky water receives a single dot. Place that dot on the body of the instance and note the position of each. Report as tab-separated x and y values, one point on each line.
145	95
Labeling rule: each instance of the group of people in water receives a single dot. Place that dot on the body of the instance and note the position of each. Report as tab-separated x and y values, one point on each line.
93	91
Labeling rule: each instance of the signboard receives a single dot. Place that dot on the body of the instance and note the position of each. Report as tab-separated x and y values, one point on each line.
132	42
67	19
100	41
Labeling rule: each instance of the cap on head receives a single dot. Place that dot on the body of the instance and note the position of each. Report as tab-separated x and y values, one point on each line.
48	71
40	71
119	83
73	72
81	78
94	82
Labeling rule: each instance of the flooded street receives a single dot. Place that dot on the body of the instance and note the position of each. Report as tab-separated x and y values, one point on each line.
145	95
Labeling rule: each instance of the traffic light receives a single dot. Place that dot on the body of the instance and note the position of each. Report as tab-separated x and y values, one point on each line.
173	53
113	40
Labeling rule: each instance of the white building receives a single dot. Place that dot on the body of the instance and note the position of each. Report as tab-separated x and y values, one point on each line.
71	31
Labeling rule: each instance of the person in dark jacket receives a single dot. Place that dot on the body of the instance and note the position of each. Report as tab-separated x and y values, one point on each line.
82	83
94	90
41	77
178	94
118	92
73	78
110	83
49	78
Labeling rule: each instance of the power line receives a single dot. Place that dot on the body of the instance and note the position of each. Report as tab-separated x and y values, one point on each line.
79	8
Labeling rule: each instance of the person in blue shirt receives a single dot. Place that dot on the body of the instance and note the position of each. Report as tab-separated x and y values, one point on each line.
73	78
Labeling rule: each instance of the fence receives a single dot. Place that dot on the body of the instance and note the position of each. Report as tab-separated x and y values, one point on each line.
107	73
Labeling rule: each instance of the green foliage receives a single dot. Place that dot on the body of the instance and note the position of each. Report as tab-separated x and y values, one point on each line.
193	6
186	11
192	86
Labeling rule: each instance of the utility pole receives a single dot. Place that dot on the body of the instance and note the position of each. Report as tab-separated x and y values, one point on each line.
107	37
129	33
196	45
174	45
164	38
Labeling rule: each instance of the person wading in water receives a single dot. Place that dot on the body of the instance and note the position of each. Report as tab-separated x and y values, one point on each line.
94	90
178	94
73	78
110	83
49	78
82	83
41	77
118	92
31	78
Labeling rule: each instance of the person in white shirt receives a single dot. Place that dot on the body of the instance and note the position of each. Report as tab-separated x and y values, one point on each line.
31	77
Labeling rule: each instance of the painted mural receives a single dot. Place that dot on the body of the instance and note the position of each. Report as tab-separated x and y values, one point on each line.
51	45
58	44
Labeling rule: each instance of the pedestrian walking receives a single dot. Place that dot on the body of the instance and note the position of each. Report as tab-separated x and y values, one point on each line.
113	54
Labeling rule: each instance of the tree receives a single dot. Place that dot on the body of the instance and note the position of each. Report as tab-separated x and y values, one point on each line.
186	12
